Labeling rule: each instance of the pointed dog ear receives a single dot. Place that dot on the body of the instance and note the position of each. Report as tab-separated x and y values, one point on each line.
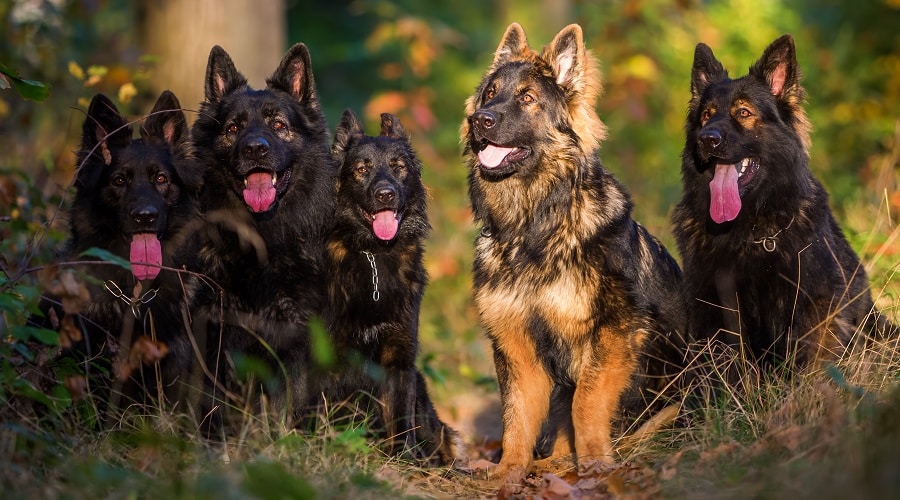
347	130
104	129
222	77
565	54
167	123
391	127
778	67
512	45
294	74
706	70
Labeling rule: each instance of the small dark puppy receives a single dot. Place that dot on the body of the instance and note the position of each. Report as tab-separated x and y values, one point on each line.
376	280
137	200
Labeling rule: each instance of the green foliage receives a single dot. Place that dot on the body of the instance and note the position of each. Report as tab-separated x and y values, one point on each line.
322	351
272	481
28	89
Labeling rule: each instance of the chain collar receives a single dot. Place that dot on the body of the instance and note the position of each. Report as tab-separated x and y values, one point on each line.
769	242
371	258
135	303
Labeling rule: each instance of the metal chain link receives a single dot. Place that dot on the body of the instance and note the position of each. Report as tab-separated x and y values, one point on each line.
375	294
134	304
769	242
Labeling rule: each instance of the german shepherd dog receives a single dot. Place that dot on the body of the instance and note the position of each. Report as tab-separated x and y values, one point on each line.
376	279
268	200
572	292
136	199
765	262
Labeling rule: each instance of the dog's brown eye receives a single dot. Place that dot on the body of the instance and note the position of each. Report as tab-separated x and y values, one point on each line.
279	125
489	94
398	164
527	98
233	128
162	178
118	180
744	113
361	169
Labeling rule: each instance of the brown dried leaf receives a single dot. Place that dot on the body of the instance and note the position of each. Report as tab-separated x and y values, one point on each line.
670	467
122	368
76	385
47	276
556	488
147	351
69	333
723	450
54	318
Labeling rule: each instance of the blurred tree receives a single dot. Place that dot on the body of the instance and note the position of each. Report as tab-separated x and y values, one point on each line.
179	35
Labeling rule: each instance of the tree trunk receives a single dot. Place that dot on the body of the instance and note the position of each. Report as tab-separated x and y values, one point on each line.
181	33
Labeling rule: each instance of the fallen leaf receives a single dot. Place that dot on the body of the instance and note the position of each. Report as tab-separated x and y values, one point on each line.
147	351
556	488
670	467
69	333
76	385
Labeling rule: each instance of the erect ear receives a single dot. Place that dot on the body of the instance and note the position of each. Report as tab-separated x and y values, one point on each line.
707	69
565	54
391	127
294	74
166	122
221	75
347	130
104	129
512	45
779	69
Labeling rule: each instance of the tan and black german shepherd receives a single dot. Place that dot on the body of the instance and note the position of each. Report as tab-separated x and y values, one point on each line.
575	296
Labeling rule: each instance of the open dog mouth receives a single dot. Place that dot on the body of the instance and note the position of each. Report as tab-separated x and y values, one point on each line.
145	255
385	223
261	187
493	156
724	189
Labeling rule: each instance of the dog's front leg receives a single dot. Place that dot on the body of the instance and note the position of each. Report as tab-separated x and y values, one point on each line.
525	394
398	395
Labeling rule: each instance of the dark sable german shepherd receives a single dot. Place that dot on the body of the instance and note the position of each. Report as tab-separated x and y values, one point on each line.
765	261
268	201
573	293
136	199
376	280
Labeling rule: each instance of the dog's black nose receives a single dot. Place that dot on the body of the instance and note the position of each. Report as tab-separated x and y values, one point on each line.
145	216
254	148
385	194
484	119
710	138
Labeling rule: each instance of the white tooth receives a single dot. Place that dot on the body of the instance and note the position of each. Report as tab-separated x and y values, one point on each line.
274	178
245	182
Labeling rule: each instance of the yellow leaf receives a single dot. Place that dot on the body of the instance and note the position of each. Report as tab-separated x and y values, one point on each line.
642	67
75	70
127	92
99	71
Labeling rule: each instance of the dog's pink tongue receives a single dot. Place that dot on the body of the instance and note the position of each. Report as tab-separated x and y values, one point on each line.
145	249
491	156
259	192
385	225
724	199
